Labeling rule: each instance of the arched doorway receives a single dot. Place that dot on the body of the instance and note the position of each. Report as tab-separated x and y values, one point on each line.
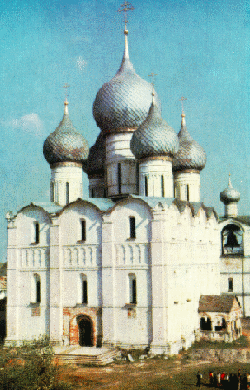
85	329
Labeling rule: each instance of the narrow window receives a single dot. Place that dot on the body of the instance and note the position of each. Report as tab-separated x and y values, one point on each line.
52	192
187	191
37	233
83	230
92	193
119	178
132	227
132	289
67	193
162	187
230	285
146	186
137	171
38	291
84	291
105	193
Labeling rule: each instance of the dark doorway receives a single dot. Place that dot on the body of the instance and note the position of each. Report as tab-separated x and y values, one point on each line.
85	328
205	324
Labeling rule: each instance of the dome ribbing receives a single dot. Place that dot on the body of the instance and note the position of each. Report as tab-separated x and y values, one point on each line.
65	144
124	101
190	154
154	137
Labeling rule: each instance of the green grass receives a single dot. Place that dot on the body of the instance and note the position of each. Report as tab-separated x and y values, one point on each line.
242	342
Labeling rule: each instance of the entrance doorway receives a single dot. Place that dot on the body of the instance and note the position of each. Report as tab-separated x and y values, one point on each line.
85	328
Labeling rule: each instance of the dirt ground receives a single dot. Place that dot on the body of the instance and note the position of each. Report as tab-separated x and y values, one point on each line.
170	374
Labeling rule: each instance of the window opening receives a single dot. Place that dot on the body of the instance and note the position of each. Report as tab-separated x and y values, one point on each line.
187	191
230	285
83	228
38	291
67	193
119	178
162	187
37	233
84	291
132	289
137	172
132	227
52	194
146	186
232	240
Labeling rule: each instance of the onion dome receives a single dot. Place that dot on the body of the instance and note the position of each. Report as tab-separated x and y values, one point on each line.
65	143
96	159
154	136
229	195
190	154
124	101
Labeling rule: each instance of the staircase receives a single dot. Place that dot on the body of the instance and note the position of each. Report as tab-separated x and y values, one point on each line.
90	356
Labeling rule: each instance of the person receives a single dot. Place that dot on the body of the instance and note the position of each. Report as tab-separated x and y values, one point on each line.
211	378
248	381
198	376
239	379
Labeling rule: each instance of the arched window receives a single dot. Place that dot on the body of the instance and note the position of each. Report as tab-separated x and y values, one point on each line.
132	289
67	192
132	227
187	192
232	240
36	288
119	173
83	230
230	285
162	187
35	233
83	289
146	186
52	191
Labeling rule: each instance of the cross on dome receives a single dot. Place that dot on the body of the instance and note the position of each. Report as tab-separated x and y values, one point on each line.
125	7
182	100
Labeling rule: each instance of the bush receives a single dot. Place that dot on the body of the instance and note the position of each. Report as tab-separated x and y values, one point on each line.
30	367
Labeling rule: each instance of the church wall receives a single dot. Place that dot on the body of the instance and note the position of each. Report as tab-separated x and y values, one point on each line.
26	259
124	257
159	176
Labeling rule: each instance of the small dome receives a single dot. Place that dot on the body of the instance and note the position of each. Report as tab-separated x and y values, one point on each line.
229	195
65	143
97	155
124	101
190	154
154	137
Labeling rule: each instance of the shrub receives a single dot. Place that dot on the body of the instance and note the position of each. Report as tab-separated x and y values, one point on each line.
30	367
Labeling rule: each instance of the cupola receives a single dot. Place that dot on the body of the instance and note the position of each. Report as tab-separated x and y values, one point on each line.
65	150
230	197
187	164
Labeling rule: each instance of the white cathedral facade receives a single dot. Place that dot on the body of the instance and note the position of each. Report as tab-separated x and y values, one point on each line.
127	266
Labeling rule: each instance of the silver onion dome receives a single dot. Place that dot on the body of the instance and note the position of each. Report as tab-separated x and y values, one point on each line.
97	155
190	154
154	136
124	101
229	194
65	144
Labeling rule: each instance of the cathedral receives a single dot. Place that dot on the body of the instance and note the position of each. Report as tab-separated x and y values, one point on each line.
127	266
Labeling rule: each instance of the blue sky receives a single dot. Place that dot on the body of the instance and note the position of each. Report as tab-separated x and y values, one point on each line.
198	49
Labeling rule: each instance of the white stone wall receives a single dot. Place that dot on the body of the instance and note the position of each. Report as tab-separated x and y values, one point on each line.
25	319
159	177
62	173
190	179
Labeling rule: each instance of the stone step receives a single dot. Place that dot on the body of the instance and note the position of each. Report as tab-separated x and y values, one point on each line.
95	357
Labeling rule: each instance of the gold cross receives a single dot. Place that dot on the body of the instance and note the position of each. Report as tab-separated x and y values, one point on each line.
66	86
182	100
125	8
153	77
